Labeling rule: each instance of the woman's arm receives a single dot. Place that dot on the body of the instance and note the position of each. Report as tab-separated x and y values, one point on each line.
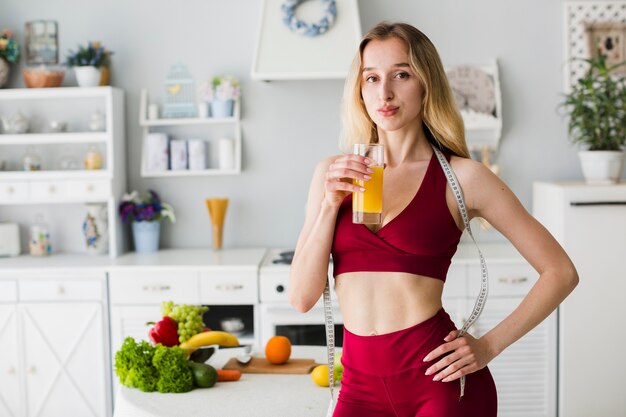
332	181
488	197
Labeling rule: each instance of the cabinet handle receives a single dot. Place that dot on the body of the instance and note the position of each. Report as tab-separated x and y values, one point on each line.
512	280
89	188
156	288
32	370
10	190
52	189
61	290
11	371
229	287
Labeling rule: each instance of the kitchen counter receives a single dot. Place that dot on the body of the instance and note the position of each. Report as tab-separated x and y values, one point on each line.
259	395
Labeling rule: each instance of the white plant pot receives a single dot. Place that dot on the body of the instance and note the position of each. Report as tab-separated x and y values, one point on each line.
602	167
87	76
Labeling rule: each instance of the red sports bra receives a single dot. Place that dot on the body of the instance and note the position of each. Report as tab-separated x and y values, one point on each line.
420	240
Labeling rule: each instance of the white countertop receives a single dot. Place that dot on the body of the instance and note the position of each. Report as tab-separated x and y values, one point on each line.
258	395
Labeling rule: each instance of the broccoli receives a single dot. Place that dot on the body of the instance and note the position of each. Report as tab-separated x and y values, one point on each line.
133	365
149	368
171	366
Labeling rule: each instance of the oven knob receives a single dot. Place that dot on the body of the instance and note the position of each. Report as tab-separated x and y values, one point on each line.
280	288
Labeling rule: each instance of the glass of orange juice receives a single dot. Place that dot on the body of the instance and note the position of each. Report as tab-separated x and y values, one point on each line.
367	206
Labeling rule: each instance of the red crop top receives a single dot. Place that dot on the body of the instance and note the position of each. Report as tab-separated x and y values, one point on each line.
420	240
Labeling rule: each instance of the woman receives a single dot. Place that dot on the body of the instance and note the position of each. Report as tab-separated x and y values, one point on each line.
401	352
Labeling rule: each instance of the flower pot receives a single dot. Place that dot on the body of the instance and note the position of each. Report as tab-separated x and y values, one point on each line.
222	108
5	70
104	76
95	229
602	167
146	236
88	76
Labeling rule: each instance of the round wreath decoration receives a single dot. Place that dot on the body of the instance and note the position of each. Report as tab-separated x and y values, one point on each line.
304	28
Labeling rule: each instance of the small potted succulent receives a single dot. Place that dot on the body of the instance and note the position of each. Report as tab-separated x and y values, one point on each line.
146	214
221	92
596	106
91	64
9	54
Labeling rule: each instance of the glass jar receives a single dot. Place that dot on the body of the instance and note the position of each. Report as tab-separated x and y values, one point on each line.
93	158
31	160
39	239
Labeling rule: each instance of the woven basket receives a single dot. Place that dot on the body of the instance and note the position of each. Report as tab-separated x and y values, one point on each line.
40	78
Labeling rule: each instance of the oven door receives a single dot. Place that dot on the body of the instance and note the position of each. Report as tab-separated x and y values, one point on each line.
308	328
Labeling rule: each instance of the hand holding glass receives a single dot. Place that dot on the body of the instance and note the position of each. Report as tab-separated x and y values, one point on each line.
367	206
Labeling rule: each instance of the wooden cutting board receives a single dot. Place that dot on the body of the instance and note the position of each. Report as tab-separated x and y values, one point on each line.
262	366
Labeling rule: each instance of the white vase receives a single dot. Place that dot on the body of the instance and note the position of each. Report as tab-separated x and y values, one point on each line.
96	230
87	76
602	167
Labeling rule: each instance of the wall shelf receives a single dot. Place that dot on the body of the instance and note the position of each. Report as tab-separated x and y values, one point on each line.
53	138
150	125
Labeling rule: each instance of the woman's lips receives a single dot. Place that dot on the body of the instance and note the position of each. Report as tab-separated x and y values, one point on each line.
388	111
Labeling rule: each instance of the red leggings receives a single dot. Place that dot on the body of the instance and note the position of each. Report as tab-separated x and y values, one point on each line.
384	376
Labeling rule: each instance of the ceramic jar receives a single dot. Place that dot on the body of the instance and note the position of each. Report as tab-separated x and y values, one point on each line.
146	236
95	229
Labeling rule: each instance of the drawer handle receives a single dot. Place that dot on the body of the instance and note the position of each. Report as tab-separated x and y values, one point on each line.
11	371
89	188
32	370
52	189
229	287
512	280
10	190
156	288
61	290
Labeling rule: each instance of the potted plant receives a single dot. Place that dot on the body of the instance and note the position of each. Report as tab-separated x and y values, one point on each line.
91	64
596	106
221	92
146	214
9	54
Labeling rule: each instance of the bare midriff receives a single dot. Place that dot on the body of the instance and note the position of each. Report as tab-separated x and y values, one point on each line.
374	303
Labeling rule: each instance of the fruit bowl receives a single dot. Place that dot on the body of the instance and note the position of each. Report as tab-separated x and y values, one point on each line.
42	77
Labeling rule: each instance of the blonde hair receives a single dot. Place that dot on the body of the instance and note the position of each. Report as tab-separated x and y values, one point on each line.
442	121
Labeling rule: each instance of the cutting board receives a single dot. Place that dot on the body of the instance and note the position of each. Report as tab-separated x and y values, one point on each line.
262	366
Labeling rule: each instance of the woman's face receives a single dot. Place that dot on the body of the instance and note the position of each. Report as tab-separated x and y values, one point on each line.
391	91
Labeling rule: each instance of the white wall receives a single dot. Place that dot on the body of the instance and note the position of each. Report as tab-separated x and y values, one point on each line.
289	126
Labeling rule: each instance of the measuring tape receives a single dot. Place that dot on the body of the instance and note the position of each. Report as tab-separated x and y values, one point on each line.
479	305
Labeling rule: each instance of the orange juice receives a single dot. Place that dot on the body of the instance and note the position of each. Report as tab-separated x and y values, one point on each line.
367	206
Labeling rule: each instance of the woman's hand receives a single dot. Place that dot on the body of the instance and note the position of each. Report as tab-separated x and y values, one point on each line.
341	174
468	355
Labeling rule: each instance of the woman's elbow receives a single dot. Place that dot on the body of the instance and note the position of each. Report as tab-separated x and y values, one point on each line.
298	302
571	277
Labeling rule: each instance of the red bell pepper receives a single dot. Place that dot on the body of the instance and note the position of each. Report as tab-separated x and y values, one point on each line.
165	332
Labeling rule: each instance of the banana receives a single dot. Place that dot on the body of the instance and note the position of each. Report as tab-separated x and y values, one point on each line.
212	337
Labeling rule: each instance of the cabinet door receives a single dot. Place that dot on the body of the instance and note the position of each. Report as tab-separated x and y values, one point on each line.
525	372
9	381
64	359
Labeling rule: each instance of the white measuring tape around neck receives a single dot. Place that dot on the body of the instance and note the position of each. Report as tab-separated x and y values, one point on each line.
479	305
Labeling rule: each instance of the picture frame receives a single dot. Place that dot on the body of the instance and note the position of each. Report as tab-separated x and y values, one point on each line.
282	54
42	45
607	38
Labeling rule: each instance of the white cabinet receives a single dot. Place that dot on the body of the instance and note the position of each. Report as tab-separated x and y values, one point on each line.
55	345
525	372
208	129
589	221
60	188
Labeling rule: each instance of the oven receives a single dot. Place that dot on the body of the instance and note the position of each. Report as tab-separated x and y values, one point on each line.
278	317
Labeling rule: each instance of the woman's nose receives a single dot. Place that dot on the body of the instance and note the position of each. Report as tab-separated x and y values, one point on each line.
386	93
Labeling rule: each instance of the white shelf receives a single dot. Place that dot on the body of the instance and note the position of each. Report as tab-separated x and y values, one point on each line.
54	93
56	175
233	122
54	138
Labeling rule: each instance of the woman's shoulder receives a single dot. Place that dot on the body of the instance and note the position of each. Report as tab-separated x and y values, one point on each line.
477	180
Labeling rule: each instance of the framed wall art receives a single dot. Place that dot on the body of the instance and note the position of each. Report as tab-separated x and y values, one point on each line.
299	39
590	27
42	46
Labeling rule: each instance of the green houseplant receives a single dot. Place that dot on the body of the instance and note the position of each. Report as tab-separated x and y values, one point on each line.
596	106
9	54
91	64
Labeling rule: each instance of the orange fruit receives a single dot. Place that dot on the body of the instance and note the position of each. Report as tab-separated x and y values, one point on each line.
278	350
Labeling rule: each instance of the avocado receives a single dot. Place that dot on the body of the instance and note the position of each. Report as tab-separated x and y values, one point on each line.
204	375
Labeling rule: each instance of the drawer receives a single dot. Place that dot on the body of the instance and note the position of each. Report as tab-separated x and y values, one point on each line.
504	280
8	291
89	189
13	191
456	282
228	287
48	190
153	287
60	290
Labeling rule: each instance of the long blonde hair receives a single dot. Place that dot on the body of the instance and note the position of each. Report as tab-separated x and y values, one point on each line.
442	121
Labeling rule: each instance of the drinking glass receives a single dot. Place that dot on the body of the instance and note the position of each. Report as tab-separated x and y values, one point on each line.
367	206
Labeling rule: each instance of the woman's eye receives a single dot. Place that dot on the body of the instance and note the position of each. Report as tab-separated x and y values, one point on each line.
402	75
370	78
